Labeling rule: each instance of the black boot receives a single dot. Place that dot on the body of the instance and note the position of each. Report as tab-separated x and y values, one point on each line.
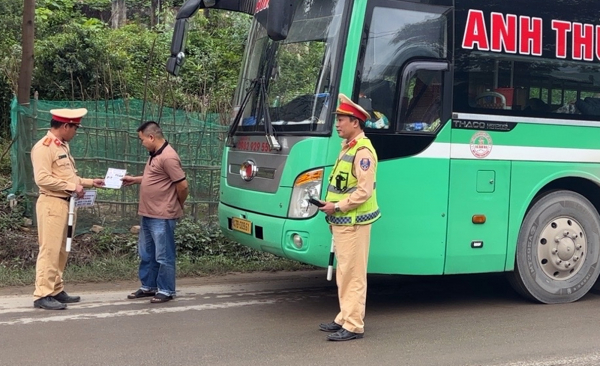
49	303
344	335
330	327
65	298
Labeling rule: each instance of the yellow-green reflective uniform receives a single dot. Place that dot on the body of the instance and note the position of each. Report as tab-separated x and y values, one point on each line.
364	214
352	229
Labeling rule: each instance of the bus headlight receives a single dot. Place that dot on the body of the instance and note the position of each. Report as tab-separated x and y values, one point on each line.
307	184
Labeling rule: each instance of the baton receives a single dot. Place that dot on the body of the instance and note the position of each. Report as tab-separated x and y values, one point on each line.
70	222
331	256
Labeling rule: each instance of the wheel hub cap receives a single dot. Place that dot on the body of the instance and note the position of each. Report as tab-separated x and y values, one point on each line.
561	248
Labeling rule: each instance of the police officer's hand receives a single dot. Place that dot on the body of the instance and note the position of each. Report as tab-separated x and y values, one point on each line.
329	208
79	191
98	183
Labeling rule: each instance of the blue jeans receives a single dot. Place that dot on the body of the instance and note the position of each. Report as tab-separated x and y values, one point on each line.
156	247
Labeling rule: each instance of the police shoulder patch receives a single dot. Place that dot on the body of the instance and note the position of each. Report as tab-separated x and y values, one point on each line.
47	141
365	163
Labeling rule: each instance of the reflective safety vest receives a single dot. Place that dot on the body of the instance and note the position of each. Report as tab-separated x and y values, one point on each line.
342	183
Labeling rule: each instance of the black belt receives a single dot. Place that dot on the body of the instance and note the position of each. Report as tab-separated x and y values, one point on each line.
62	198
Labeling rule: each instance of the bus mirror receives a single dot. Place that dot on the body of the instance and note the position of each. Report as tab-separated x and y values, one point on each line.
174	63
177	58
179	37
279	19
189	8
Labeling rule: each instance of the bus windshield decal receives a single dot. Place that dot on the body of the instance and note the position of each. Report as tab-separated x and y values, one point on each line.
261	5
523	35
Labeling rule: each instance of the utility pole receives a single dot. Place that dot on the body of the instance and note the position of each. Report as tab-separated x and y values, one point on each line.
26	71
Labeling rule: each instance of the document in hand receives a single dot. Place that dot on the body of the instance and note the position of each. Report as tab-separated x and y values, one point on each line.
113	178
89	197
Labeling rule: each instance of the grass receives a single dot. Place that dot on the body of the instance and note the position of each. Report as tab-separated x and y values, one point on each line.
124	268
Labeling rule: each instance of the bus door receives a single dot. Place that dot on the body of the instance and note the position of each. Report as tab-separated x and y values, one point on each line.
402	72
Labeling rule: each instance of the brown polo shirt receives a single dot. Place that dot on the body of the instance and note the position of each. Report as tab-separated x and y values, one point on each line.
158	194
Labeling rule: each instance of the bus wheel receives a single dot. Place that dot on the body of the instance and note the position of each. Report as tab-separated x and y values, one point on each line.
558	249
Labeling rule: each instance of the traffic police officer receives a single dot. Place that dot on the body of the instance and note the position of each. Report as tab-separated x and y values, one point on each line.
55	175
351	208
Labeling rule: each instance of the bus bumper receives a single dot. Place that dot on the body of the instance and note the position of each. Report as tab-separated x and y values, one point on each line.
277	235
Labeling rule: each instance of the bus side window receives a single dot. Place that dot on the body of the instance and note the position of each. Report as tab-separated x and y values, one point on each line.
376	97
422	101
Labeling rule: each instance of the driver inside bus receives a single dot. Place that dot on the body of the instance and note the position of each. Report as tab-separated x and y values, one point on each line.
377	120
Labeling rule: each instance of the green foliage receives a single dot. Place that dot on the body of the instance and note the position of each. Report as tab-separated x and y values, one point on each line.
78	57
19	246
200	239
10	22
73	65
107	242
10	29
214	50
141	54
299	65
10	218
5	167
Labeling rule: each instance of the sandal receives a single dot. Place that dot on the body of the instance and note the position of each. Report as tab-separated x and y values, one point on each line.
140	293
160	298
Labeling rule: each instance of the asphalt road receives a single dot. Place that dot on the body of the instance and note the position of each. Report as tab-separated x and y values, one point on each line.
272	319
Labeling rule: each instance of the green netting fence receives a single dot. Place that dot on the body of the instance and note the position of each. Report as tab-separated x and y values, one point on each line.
109	139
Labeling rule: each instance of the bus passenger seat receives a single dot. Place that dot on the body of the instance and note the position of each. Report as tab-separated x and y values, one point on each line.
425	104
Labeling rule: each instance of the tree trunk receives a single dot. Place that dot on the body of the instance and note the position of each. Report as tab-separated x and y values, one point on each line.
119	13
26	71
153	15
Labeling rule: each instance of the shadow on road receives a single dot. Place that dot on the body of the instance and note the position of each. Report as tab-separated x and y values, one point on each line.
422	291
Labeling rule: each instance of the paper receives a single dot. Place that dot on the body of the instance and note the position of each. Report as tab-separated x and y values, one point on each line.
89	197
113	178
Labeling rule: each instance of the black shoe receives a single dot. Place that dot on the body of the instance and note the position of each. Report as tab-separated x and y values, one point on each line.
49	303
344	335
330	327
64	298
140	293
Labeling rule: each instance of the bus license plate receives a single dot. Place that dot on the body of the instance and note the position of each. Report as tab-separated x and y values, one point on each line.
242	225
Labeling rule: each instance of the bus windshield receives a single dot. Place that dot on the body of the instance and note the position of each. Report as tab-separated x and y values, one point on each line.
292	77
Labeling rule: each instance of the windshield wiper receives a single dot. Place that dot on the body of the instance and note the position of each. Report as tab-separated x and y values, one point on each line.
262	98
269	133
240	113
262	112
264	107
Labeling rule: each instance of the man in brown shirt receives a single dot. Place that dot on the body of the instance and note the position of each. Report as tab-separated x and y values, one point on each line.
163	191
56	177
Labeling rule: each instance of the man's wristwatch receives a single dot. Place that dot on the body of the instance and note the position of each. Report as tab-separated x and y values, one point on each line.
337	207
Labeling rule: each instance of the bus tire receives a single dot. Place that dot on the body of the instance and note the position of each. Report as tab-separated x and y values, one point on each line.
558	249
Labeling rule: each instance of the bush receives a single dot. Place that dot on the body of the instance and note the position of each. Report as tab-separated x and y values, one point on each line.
198	239
11	218
194	241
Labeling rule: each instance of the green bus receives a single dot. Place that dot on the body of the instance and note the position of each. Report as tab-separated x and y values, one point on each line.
485	120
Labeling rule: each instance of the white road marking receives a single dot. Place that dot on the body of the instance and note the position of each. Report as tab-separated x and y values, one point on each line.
85	305
146	311
19	309
592	359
